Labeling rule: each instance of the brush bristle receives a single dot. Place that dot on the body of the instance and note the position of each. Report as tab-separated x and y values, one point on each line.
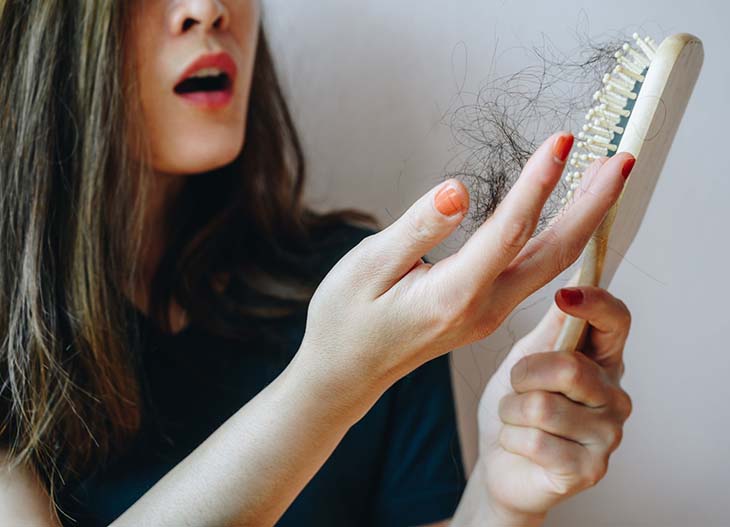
613	103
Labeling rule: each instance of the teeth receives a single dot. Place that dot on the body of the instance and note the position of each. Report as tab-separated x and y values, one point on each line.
207	72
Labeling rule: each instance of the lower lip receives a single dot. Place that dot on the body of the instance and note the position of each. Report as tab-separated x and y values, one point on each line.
208	100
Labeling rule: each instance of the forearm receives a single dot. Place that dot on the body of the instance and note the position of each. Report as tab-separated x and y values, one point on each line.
23	498
251	468
476	509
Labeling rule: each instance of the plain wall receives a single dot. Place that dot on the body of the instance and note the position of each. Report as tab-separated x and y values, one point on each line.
369	84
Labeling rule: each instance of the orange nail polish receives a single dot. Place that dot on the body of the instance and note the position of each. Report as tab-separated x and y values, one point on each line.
447	201
562	147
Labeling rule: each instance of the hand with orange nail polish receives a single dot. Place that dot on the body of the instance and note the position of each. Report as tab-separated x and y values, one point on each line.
382	311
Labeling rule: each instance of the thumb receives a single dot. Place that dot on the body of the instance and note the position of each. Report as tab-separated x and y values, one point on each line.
431	219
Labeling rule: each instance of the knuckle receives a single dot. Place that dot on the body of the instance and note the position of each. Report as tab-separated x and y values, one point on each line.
477	320
368	241
519	372
572	465
492	315
507	439
456	315
567	253
538	408
418	228
614	436
562	487
625	315
503	406
435	316
515	232
571	370
624	404
597	471
366	247
482	331
536	443
458	312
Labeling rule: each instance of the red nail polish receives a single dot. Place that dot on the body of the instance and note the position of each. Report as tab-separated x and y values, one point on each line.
562	147
627	166
571	296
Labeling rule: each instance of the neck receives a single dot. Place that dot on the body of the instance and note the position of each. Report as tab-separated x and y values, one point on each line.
162	192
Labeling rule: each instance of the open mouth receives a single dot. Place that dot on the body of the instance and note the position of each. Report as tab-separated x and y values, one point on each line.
204	83
207	82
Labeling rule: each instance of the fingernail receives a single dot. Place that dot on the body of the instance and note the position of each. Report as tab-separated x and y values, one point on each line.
572	296
627	166
562	147
447	201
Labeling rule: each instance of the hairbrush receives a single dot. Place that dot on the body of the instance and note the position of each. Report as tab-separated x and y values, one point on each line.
637	110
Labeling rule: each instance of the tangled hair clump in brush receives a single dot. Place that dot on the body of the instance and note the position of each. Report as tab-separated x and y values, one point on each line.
511	115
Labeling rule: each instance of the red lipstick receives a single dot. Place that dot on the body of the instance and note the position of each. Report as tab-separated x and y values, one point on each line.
211	91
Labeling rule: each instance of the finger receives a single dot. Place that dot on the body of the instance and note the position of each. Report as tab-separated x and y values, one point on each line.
554	313
494	245
556	414
573	374
584	182
545	334
547	255
555	454
392	252
609	318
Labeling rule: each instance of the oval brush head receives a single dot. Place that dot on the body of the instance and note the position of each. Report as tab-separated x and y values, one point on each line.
637	110
606	121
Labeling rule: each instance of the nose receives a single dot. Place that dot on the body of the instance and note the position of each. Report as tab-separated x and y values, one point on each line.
186	14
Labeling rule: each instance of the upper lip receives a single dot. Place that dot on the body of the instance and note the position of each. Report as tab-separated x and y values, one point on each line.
221	60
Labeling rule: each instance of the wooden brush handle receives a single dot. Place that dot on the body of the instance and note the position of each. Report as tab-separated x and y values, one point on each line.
575	330
648	137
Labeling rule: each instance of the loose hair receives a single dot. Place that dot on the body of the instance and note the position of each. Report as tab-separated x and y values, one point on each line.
71	217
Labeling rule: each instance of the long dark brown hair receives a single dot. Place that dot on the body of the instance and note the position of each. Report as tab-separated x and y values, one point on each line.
71	219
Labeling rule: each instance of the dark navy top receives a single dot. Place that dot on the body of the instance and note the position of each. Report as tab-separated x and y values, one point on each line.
399	465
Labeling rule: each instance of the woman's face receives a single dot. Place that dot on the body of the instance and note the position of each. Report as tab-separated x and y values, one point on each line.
194	62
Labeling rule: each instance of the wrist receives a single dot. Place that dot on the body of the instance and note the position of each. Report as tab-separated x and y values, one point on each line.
339	399
506	515
479	507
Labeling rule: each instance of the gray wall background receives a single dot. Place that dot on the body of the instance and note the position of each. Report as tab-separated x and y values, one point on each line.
369	83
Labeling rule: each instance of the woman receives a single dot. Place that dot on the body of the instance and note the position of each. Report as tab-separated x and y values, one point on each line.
184	343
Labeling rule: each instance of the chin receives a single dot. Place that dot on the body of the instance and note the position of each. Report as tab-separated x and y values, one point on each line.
196	156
